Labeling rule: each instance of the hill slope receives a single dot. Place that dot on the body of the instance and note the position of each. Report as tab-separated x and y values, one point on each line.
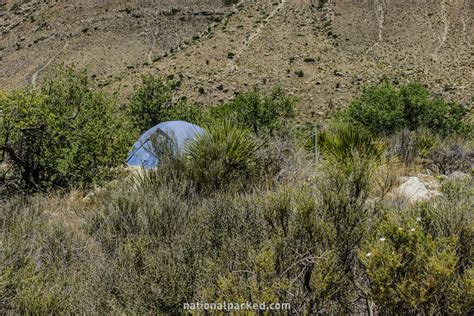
109	37
320	50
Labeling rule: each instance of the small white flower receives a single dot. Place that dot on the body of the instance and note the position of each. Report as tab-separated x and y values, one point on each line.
382	239
368	254
399	228
418	219
412	230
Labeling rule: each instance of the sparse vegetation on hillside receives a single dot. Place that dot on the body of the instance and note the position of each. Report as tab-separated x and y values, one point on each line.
230	2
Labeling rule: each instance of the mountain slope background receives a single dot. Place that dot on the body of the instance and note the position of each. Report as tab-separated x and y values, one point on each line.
321	51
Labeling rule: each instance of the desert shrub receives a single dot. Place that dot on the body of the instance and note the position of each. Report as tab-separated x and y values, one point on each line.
184	111
258	112
379	109
299	73
279	244
344	193
322	3
151	242
63	134
355	166
282	159
352	160
385	109
224	155
451	216
44	268
413	272
152	103
452	156
143	240
409	145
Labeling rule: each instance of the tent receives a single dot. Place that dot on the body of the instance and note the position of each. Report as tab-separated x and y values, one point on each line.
175	134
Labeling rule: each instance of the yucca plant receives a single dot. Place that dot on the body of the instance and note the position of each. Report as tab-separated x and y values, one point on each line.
224	155
341	144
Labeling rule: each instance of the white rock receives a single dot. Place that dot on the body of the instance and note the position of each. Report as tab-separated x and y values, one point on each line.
414	190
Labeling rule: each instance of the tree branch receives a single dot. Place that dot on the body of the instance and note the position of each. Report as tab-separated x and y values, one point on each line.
12	155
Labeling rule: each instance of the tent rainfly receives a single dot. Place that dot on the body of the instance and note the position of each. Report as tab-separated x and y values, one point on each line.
176	134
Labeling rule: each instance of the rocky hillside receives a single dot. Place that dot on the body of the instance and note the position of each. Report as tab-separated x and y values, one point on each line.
112	38
322	51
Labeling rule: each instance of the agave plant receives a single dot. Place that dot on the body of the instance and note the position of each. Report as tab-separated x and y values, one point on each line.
225	154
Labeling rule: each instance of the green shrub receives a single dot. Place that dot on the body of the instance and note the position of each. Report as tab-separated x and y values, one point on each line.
142	240
412	272
322	3
152	103
344	191
257	112
224	155
183	111
350	173
451	216
379	109
64	133
385	109
299	73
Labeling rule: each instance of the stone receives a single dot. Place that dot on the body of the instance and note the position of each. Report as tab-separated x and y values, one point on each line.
414	190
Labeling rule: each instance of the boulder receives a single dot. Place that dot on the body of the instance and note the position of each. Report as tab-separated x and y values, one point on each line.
414	190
